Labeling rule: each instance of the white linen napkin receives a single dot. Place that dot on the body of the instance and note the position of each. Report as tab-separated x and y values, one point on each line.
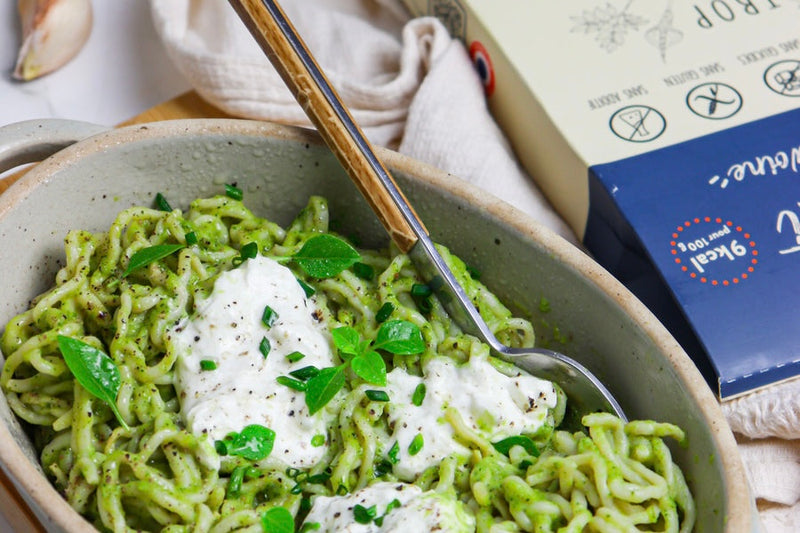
411	87
408	84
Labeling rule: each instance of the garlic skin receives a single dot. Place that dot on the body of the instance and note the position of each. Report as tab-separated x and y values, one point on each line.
53	32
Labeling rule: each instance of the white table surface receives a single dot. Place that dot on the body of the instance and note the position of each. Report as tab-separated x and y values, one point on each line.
120	72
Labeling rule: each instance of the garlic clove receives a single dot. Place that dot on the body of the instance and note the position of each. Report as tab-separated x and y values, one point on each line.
53	32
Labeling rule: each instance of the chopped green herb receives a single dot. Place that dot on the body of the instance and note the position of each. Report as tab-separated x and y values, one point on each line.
208	364
305	373
419	394
416	444
269	316
295	384
544	305
377	395
235	481
382	467
94	370
420	289
473	272
363	271
319	479
504	446
247	251
191	238
341	490
145	256
277	520
364	515
309	526
393	451
220	447
308	289
162	204
264	347
384	312
295	356
394	504
317	440
232	191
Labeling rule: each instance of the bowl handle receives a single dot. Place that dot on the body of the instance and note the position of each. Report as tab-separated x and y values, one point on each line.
30	141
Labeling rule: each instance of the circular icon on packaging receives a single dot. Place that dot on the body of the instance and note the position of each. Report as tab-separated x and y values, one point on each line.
638	123
714	251
783	77
714	100
483	64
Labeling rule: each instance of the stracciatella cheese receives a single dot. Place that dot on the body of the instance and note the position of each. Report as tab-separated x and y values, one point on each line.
227	330
413	511
489	402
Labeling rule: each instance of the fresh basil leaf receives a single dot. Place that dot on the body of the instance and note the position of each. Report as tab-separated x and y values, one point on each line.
145	256
399	337
504	446
254	442
346	339
94	370
277	520
323	387
370	367
324	256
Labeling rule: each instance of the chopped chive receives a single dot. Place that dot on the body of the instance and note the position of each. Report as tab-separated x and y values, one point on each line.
208	364
308	289
305	373
269	316
363	271
191	238
317	440
394	504
384	312
393	451
416	444
382	468
297	489
377	395
232	191
235	481
321	478
424	304
247	251
341	490
473	272
295	384
295	356
162	204
420	290
419	394
220	447
309	526
264	347
364	515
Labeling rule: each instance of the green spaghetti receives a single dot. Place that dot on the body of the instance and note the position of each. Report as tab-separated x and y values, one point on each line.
92	369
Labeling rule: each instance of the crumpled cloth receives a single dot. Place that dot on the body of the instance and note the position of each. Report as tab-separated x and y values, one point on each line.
412	88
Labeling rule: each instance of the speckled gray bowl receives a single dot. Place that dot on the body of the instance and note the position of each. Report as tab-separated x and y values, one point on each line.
608	330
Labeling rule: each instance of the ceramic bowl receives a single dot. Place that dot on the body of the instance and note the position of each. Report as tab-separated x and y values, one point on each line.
601	323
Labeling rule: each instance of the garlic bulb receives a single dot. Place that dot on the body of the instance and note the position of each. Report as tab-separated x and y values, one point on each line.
53	32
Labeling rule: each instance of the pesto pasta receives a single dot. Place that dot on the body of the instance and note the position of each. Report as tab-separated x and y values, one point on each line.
122	434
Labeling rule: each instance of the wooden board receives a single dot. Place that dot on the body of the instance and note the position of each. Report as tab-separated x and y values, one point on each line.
187	105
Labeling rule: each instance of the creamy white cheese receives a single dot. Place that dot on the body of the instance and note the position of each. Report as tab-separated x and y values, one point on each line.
492	404
418	511
227	330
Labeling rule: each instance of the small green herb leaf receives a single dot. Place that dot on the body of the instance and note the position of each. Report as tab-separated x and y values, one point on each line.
277	520
504	446
94	370
324	256
370	367
323	387
145	256
254	442
364	515
400	337
247	251
419	394
346	339
234	192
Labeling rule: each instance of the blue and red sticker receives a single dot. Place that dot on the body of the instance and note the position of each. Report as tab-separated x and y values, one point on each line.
483	64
